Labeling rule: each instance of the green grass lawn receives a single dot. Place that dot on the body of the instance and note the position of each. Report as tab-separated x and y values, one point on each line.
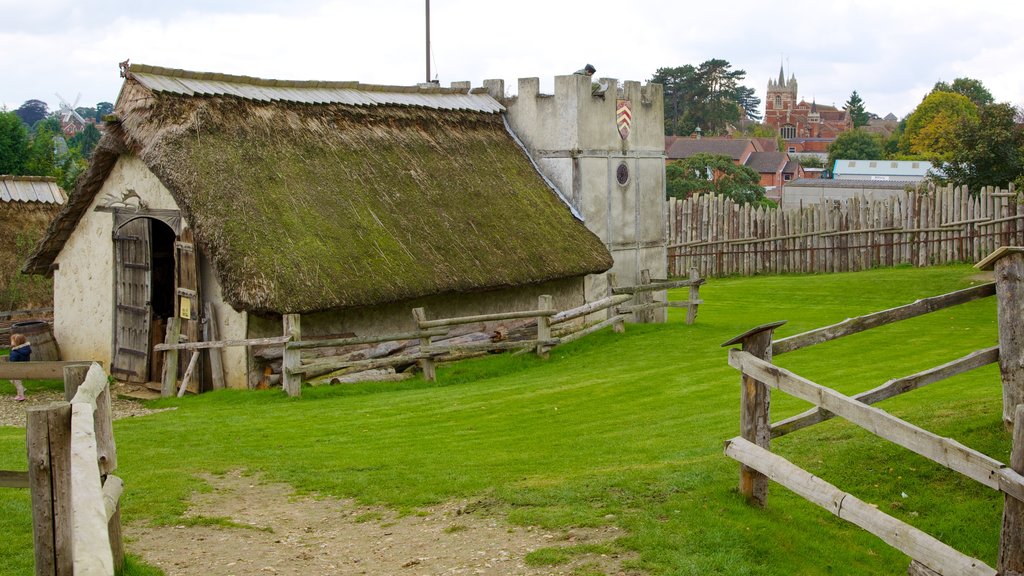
617	428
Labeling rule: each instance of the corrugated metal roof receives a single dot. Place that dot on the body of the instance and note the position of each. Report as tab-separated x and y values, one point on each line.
892	168
309	92
31	189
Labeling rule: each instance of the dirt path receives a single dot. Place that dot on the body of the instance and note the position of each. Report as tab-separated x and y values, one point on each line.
252	527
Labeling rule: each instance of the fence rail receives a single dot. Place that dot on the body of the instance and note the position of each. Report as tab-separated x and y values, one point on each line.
719	237
759	376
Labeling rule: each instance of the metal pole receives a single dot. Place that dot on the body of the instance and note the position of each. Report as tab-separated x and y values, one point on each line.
428	41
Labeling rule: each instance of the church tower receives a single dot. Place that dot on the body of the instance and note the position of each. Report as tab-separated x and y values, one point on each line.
779	104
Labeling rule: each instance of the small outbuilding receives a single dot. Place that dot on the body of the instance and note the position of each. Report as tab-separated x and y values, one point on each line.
27	205
348	203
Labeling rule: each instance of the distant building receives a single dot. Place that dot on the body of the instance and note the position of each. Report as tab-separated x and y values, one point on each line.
806	127
881	170
760	154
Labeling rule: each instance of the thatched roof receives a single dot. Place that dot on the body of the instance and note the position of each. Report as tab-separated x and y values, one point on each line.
306	207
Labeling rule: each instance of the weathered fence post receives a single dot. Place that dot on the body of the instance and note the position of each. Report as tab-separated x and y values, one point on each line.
212	334
1011	539
544	302
1008	263
170	373
291	380
694	299
755	409
427	362
642	298
48	441
620	326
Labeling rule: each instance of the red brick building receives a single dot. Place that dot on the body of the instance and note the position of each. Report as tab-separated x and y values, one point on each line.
795	119
775	168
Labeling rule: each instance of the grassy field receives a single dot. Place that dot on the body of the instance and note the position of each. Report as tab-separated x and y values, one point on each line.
618	428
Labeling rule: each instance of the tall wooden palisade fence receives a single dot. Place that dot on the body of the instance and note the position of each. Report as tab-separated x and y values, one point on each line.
758	464
719	237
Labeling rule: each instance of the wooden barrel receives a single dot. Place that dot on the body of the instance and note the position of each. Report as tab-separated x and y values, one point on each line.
40	336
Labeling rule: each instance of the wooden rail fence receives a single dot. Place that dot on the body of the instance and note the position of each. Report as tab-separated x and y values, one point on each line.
553	328
76	517
719	237
759	376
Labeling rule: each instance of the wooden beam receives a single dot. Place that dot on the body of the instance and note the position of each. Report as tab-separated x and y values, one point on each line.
49	370
90	538
919	545
13	479
694	301
419	315
544	302
211	333
876	319
272	341
614	321
170	370
356	340
485	318
1011	540
893	387
595	306
654	287
944	451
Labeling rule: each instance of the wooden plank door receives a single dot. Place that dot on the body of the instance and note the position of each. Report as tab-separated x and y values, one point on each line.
186	300
132	311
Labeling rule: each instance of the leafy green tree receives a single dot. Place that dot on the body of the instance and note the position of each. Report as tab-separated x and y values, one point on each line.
32	111
930	127
969	87
709	96
810	161
989	152
86	140
13	144
855	105
102	109
855	145
706	173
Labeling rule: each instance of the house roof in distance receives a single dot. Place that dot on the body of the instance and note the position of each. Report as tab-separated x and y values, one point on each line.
374	195
36	189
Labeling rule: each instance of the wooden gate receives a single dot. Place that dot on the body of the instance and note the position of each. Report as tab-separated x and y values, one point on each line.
132	310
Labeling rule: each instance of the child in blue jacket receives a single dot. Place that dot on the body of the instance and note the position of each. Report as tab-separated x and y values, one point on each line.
21	351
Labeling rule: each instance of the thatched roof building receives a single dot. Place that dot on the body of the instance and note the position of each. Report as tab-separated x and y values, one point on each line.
343	202
310	196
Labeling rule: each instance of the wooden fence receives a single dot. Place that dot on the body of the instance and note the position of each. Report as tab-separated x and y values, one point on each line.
719	237
76	518
758	464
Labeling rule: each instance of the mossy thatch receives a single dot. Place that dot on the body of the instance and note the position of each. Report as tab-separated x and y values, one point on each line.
303	208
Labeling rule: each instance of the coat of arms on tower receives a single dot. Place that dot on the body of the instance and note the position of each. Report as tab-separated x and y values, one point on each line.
623	117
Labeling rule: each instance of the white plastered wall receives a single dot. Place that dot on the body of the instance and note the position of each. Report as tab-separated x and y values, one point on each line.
83	291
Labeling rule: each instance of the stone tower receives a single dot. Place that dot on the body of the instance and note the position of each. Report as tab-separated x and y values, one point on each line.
782	98
604	148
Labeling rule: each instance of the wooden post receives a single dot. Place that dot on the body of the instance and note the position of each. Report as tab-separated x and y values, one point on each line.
426	364
292	381
691	309
106	449
1008	263
212	334
73	378
644	316
620	326
544	302
755	409
48	440
186	379
170	375
1011	540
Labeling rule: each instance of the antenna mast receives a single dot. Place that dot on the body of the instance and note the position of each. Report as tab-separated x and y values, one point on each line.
428	41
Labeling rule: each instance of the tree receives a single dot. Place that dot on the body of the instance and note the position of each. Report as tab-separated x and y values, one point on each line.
32	111
13	144
855	106
854	145
930	127
704	173
989	152
973	89
708	96
102	109
86	140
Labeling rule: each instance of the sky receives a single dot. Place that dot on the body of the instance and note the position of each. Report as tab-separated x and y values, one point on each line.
890	52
